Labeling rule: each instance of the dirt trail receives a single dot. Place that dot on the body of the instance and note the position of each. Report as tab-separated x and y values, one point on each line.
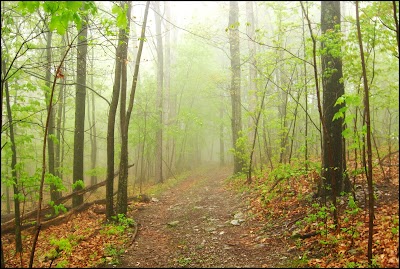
190	226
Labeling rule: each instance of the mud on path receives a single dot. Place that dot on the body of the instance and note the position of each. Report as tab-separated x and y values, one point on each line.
200	223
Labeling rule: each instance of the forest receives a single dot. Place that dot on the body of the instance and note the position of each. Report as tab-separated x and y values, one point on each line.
200	134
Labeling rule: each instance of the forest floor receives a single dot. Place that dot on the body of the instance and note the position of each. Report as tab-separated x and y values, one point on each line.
199	223
208	219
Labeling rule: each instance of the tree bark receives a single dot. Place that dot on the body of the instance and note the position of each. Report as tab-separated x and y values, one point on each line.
160	85
123	165
93	133
80	101
234	45
18	238
122	201
333	88
167	78
368	167
54	194
111	127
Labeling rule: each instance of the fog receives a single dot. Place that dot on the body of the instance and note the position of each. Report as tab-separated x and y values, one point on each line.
278	99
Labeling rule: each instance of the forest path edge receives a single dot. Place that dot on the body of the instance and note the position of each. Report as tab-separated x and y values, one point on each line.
200	223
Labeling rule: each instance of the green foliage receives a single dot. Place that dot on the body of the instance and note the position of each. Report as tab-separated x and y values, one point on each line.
62	244
353	265
62	264
120	224
79	183
61	12
123	220
28	6
114	252
98	171
233	26
55	181
184	261
122	21
241	151
395	229
301	262
57	208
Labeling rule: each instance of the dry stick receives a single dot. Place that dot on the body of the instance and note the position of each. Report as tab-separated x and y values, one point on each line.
44	157
134	234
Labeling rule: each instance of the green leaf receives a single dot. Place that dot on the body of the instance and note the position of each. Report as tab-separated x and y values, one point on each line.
79	183
346	133
78	21
30	6
50	6
340	100
122	21
116	9
73	5
57	23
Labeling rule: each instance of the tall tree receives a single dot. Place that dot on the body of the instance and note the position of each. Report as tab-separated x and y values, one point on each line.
167	89
60	124
54	193
92	124
252	91
111	125
160	85
80	100
122	199
236	120
333	88
322	190
123	165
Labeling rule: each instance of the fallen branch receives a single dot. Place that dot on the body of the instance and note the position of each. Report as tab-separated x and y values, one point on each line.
387	156
307	235
134	234
10	224
276	183
63	217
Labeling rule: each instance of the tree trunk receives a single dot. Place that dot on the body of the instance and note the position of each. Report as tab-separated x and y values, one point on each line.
252	91
160	66
123	165
80	100
60	121
93	133
122	198
369	144
305	96
320	112
333	88
234	43
167	90
111	128
221	137
54	194
18	238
